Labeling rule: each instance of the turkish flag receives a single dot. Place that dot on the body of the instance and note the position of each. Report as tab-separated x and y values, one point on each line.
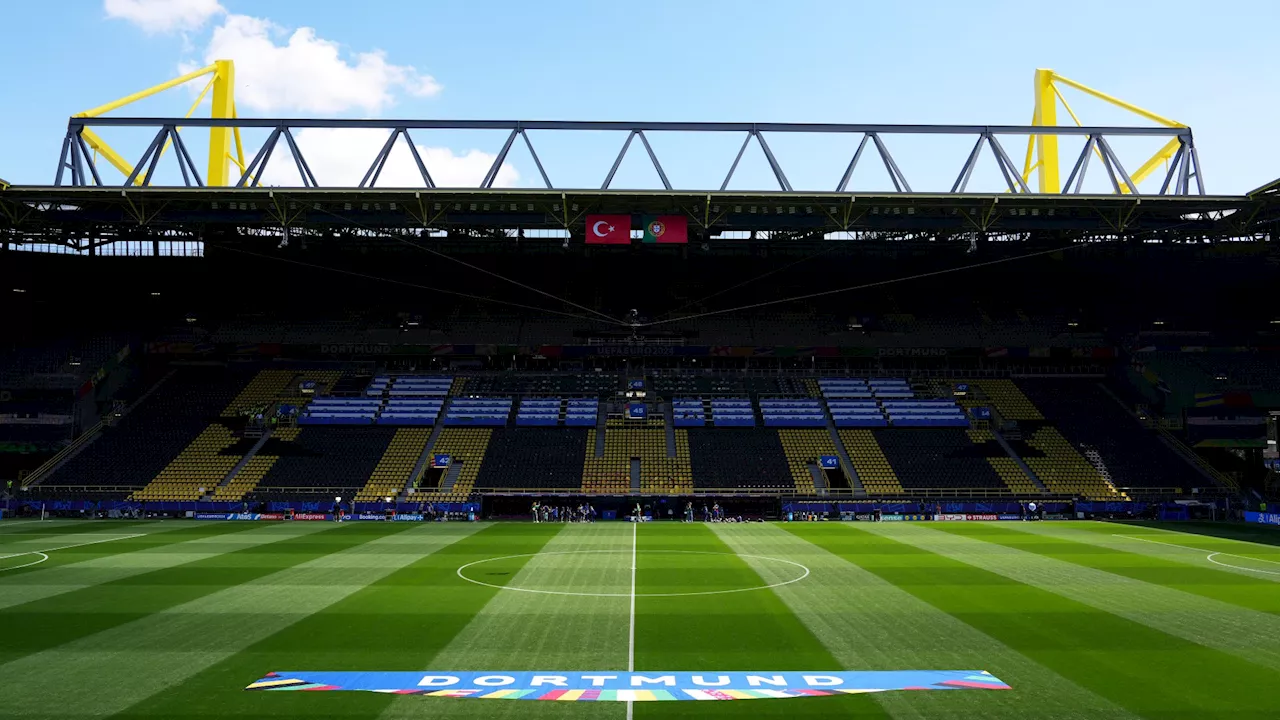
608	229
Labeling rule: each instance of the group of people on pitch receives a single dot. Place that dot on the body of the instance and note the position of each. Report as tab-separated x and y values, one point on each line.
561	513
715	513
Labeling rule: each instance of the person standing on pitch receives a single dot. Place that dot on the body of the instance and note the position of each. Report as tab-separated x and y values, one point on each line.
535	511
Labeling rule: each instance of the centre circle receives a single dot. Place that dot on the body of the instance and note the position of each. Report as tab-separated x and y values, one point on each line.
550	571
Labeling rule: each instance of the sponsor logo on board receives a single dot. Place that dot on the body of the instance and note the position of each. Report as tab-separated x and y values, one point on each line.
1265	518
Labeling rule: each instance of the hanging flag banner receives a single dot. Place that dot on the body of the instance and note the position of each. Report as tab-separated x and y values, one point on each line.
666	229
608	229
614	685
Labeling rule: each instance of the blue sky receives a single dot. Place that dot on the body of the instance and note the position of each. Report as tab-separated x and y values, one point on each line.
1201	63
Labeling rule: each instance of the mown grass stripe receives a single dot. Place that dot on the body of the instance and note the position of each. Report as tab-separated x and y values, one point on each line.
77	544
396	623
1148	672
531	631
1160	564
78	568
51	622
1247	538
740	631
19	525
869	623
1230	628
119	667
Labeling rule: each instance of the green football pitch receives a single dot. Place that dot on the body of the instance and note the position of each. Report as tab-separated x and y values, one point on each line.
1084	620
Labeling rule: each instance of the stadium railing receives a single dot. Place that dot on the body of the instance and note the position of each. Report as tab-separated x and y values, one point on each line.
833	494
52	463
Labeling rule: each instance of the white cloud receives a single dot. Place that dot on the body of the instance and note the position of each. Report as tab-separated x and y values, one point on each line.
158	16
308	73
340	157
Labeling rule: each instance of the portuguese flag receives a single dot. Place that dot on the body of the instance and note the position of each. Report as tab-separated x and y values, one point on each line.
666	229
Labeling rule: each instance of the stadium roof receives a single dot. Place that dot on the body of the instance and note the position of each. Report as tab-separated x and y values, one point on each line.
25	210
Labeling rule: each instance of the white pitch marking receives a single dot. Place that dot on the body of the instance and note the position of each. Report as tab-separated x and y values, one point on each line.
598	594
42	552
43	557
1211	555
631	631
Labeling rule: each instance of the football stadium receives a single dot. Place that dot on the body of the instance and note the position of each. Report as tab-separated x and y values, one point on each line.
1000	448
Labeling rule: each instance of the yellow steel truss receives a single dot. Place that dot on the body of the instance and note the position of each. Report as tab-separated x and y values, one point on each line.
1044	148
222	75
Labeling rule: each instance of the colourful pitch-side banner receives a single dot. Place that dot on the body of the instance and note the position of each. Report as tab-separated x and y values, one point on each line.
608	229
606	685
666	229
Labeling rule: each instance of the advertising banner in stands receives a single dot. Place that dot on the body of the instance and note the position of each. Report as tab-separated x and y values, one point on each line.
951	517
1010	517
409	517
367	516
1059	516
1265	518
982	518
239	516
891	518
312	516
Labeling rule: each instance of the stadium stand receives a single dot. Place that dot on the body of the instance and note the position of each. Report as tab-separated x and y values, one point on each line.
324	457
466	448
739	458
869	462
938	458
492	412
1133	456
645	446
793	412
803	447
256	468
200	467
154	433
528	457
566	384
392	472
1054	460
1006	467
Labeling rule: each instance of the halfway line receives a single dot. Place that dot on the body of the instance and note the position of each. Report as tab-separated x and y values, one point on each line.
631	632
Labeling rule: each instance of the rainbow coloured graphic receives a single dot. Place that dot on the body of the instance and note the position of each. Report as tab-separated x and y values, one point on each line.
619	686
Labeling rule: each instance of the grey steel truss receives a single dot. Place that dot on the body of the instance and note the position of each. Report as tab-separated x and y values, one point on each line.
76	166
